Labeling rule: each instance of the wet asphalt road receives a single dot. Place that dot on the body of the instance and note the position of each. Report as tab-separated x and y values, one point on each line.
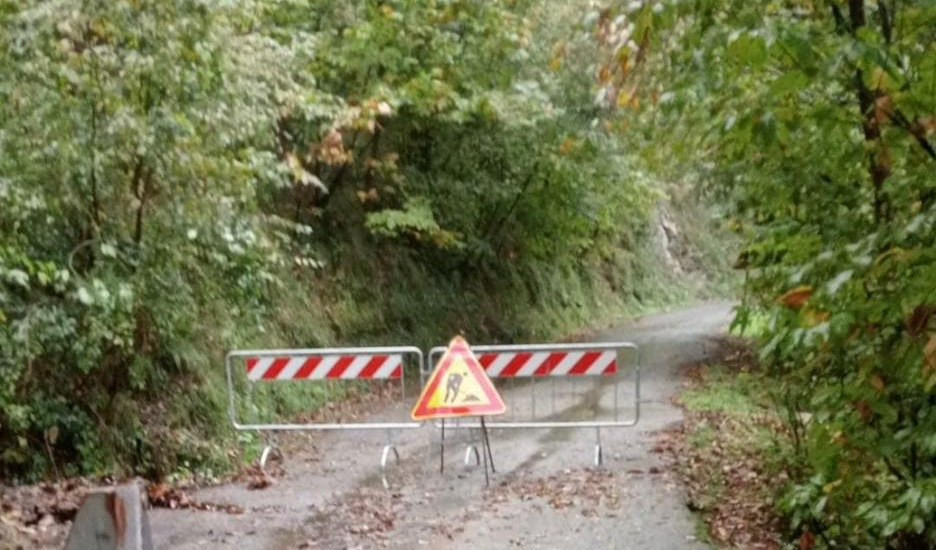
545	493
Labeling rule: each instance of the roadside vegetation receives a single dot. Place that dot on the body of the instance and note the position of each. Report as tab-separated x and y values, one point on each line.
814	123
181	178
731	450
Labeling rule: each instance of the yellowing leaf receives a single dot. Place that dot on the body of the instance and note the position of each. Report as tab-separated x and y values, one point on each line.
624	62
796	298
292	161
880	80
567	146
883	108
897	253
812	318
925	126
371	195
929	354
829	487
332	151
604	75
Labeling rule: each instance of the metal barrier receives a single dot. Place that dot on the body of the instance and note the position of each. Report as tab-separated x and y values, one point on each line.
537	362
319	365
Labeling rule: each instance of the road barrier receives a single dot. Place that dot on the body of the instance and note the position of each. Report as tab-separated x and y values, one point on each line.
368	364
537	363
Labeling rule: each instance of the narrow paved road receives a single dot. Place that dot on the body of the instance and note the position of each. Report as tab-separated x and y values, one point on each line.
545	493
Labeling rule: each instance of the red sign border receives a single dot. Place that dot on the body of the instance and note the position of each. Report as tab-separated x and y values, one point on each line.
458	348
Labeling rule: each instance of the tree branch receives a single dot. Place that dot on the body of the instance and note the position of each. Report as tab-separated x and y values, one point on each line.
887	27
887	22
139	182
856	14
915	130
840	24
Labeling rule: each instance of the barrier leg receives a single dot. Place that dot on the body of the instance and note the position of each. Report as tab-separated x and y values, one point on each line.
385	455
386	451
472	451
388	448
270	450
471	448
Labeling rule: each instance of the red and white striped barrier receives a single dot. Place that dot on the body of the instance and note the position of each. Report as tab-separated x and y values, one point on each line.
320	367
549	363
384	365
541	362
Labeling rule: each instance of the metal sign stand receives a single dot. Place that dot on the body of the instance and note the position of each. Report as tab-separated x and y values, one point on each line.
486	458
486	451
442	449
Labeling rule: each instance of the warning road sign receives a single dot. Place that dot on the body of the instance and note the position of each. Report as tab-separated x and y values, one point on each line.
458	387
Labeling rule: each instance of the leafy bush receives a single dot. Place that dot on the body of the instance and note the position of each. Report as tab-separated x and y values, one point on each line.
814	122
180	178
128	182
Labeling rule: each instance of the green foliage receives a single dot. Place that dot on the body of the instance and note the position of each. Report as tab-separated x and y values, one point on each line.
814	122
180	178
131	147
415	219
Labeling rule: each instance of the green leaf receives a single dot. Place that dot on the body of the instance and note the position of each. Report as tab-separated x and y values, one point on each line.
790	83
748	50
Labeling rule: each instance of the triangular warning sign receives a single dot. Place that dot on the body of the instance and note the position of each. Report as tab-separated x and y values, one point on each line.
458	387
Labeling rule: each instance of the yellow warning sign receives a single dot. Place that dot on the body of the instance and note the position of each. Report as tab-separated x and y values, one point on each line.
458	387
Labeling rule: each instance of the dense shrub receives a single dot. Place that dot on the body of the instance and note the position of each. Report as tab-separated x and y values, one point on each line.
814	121
183	177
